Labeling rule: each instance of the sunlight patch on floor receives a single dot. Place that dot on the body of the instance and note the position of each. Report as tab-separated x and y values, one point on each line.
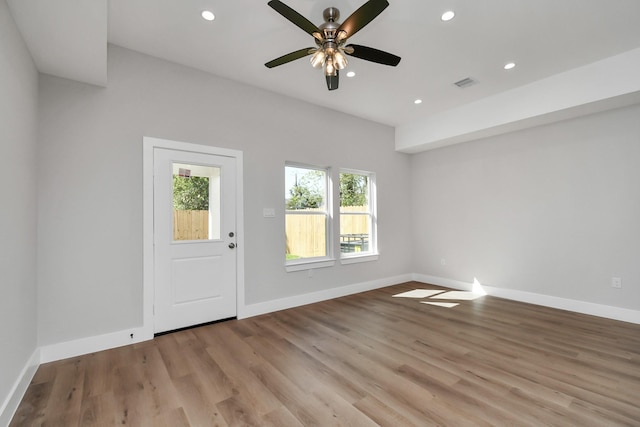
441	304
419	293
441	294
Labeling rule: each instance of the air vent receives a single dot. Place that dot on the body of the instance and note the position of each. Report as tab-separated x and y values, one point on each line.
465	82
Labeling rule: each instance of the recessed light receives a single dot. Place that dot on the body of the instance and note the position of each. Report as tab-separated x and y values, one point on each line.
417	101
448	15
509	66
208	15
351	74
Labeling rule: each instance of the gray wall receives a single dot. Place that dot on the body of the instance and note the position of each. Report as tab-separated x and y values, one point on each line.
90	197
553	210
18	109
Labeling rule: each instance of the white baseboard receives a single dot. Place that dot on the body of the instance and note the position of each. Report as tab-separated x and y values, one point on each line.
10	405
442	281
304	299
600	310
63	350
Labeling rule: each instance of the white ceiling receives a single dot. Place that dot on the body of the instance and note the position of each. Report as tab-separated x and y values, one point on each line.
543	37
66	38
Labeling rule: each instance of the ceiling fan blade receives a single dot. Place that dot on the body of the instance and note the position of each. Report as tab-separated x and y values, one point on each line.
294	17
290	57
332	81
373	55
361	17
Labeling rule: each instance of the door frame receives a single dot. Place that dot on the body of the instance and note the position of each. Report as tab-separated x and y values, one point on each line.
149	144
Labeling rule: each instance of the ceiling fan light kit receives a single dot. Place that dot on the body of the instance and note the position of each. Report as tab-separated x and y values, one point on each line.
330	38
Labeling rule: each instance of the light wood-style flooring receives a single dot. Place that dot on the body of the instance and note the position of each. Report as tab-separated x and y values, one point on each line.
362	360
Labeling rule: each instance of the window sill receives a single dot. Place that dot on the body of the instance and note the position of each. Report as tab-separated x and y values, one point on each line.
308	265
359	258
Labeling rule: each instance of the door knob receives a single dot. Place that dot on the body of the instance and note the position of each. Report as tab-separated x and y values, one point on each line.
232	245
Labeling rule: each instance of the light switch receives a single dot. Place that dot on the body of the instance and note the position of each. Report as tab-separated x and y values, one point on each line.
268	212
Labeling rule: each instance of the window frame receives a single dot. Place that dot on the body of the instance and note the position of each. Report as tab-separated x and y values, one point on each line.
314	262
372	254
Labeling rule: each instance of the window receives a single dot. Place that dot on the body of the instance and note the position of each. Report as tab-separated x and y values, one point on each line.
357	214
307	216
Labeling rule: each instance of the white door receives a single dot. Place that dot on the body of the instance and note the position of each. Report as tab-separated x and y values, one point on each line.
194	239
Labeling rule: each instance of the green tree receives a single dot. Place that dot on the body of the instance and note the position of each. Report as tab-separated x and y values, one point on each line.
307	192
191	193
353	189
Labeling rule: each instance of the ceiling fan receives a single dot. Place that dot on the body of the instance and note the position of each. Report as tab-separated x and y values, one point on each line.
331	37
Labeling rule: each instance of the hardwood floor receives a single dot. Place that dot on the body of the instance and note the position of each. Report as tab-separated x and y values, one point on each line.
363	360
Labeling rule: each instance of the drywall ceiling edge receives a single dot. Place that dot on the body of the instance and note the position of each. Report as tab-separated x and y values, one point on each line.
605	84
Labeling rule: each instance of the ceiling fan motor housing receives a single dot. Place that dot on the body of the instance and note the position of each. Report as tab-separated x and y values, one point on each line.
330	24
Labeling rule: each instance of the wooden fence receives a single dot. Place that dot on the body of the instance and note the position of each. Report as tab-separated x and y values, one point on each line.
354	224
305	233
306	236
190	225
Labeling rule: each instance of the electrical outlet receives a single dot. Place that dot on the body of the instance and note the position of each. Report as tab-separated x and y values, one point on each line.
443	261
616	282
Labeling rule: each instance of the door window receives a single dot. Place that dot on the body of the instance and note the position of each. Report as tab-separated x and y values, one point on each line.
196	202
